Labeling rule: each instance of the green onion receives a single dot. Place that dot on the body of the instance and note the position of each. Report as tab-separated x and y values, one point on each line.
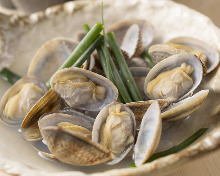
86	28
177	148
147	57
106	62
82	47
112	74
88	52
129	80
9	76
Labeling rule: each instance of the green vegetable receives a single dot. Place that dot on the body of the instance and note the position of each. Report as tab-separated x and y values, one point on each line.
9	76
147	57
129	80
88	52
112	72
177	148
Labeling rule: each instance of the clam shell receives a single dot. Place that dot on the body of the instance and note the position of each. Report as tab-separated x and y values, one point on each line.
139	108
173	62
159	52
67	115
12	91
149	134
185	107
69	146
50	57
111	93
101	118
196	44
48	103
132	41
147	31
73	148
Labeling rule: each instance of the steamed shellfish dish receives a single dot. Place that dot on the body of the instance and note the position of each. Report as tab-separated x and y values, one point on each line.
114	97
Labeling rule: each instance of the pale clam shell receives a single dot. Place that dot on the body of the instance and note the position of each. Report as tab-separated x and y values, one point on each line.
149	134
173	62
139	108
67	115
69	146
111	90
196	44
185	107
50	57
101	118
73	148
12	91
159	52
146	29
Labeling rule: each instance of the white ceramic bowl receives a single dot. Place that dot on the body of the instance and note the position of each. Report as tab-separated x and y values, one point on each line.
20	38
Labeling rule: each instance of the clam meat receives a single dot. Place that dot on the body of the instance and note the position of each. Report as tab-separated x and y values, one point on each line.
83	89
20	98
171	84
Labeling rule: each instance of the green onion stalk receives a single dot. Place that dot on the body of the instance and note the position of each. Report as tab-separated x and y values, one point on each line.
147	57
129	80
9	76
110	70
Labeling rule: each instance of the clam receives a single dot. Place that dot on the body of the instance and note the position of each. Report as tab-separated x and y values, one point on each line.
72	146
174	78
212	55
50	57
140	32
160	51
149	134
185	107
83	89
139	108
20	98
48	103
115	128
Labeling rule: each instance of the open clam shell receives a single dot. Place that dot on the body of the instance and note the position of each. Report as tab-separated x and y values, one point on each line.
149	134
139	108
48	103
173	62
110	95
185	107
211	53
14	91
159	52
71	146
102	118
67	115
50	57
146	29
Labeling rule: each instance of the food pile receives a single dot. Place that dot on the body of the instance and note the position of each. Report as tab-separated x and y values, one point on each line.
95	100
